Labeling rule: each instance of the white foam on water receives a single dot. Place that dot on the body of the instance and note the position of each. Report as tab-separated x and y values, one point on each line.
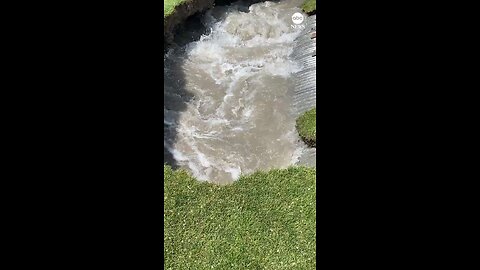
239	120
234	172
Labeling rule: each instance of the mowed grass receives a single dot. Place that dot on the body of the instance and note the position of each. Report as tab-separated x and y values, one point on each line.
307	126
265	220
169	6
309	6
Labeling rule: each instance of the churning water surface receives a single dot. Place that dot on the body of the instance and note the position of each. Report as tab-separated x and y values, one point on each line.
227	96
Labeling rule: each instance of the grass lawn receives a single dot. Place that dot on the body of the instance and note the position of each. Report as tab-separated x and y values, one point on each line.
169	6
309	6
265	220
307	126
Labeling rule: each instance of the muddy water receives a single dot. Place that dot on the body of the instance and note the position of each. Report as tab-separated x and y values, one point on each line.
228	94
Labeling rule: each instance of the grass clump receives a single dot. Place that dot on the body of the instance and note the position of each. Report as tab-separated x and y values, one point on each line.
169	6
307	127
265	220
309	6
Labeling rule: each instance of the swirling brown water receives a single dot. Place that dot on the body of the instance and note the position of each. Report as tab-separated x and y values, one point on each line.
228	95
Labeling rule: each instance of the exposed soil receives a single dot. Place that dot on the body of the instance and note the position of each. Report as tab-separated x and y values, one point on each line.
181	13
189	8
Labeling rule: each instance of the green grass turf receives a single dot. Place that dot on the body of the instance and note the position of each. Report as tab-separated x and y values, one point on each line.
169	6
265	220
309	6
307	126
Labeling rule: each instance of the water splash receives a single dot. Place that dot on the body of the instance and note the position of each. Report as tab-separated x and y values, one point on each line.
228	96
